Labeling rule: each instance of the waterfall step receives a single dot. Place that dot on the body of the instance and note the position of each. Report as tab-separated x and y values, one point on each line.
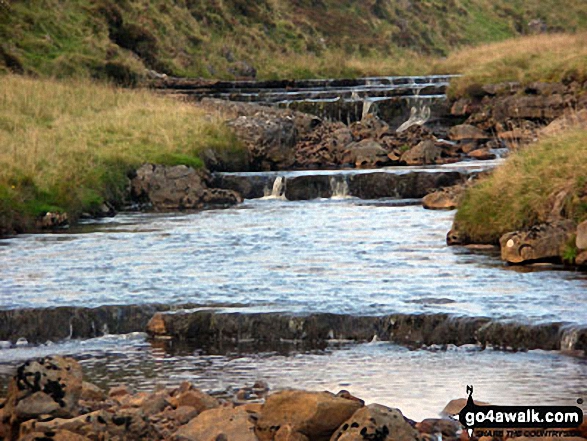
360	184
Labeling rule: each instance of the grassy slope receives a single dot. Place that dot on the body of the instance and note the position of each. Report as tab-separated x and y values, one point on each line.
520	193
547	57
67	147
299	38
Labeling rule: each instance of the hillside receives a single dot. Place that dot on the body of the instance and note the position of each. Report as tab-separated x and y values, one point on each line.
272	38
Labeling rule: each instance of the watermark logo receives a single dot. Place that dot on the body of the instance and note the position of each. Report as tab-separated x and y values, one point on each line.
518	417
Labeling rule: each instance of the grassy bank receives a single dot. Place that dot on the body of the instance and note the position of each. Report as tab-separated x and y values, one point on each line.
522	192
279	38
546	57
68	146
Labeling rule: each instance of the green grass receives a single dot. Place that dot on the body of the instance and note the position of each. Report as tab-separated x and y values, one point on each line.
295	39
520	193
69	146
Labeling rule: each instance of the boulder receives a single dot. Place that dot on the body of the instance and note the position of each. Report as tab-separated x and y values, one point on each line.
49	386
224	423
581	240
197	399
566	122
541	242
466	131
91	392
315	415
376	422
52	220
177	187
424	153
101	424
366	154
444	199
447	427
482	154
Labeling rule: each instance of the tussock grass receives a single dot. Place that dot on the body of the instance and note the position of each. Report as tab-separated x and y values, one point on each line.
68	146
521	192
545	57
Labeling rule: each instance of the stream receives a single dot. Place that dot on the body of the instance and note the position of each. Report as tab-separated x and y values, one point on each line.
340	255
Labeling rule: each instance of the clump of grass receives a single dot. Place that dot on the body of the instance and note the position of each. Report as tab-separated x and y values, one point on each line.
546	57
519	194
69	146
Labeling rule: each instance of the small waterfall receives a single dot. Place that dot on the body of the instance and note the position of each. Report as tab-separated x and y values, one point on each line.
419	112
569	339
367	105
339	187
277	191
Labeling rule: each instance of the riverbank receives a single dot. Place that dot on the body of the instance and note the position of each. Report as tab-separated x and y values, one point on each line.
68	147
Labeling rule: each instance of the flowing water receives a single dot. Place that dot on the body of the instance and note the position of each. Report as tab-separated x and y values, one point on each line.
341	255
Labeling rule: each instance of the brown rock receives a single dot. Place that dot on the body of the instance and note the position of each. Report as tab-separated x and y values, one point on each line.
541	242
197	399
156	326
566	122
223	423
91	392
444	199
449	428
366	154
101	424
118	391
375	422
581	240
46	386
287	433
581	259
481	154
313	414
466	131
57	435
52	220
183	414
467	146
424	153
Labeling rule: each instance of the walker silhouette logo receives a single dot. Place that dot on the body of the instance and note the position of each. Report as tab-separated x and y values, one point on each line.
518	417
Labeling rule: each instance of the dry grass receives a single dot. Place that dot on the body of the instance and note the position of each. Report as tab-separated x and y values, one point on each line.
520	193
69	146
546	57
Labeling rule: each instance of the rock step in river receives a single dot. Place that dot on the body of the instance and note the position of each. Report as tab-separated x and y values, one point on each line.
204	326
364	184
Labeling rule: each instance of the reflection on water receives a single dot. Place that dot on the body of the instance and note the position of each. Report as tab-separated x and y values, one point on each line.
418	382
346	256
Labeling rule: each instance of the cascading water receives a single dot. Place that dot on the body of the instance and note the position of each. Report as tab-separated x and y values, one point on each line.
277	190
339	186
419	112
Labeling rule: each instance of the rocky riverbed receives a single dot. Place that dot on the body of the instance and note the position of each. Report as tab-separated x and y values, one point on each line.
48	399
